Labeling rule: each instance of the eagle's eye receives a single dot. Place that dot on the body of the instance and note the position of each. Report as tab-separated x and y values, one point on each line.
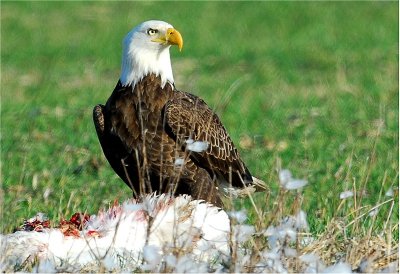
151	31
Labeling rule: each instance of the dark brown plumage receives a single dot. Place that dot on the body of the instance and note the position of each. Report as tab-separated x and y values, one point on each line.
144	130
147	127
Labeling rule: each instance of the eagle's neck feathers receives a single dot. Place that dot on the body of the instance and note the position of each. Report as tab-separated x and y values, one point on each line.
139	62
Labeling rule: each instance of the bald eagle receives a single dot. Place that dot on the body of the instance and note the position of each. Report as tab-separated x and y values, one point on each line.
158	138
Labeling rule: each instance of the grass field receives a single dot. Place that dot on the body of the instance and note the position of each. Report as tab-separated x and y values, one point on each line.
307	86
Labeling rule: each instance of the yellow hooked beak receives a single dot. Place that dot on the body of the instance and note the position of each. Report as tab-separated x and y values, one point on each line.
172	37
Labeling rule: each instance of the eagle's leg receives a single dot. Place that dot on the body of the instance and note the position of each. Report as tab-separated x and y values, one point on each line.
203	187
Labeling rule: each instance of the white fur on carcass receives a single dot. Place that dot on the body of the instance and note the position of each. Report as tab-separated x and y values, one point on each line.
117	238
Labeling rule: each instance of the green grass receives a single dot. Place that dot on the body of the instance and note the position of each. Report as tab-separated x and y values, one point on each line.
313	85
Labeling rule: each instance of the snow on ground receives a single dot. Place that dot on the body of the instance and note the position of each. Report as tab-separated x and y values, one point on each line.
160	233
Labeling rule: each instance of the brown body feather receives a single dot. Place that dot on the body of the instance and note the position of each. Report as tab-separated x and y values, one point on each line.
143	131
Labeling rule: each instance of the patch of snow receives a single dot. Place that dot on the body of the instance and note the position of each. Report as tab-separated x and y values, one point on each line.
338	268
290	252
123	238
239	216
243	232
301	221
196	146
389	192
309	258
295	184
161	233
151	254
392	267
287	182
284	176
179	162
45	266
346	194
373	212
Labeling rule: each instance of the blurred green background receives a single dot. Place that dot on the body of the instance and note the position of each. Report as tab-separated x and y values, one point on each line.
308	86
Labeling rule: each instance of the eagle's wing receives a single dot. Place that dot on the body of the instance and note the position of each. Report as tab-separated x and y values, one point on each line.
187	117
114	149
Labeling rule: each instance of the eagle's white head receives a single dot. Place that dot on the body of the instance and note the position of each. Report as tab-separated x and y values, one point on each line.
146	51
